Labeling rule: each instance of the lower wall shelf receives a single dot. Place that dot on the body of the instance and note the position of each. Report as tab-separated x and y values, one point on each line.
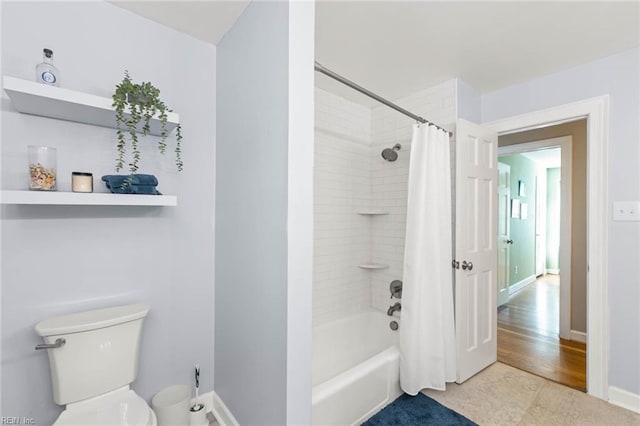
85	199
373	266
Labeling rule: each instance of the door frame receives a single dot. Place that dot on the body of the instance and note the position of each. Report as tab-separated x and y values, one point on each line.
596	111
565	144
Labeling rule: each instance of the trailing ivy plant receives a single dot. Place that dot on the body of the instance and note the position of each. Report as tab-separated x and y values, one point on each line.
138	103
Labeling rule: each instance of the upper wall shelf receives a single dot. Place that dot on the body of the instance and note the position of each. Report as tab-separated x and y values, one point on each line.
48	101
59	198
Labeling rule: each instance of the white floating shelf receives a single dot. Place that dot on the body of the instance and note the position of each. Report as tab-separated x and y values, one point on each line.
85	199
373	266
34	98
373	212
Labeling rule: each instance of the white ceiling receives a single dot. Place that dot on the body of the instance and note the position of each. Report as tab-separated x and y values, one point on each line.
205	20
395	48
546	158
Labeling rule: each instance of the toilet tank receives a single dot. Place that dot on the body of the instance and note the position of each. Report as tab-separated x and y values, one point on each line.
100	353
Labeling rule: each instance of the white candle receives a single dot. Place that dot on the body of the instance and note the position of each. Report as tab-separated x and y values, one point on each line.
81	182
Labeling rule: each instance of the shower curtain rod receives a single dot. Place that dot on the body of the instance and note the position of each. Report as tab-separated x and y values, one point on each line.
321	69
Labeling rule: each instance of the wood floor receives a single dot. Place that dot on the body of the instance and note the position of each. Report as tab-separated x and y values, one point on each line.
528	328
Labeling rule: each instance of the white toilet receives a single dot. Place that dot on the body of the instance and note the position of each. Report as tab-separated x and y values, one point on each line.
93	358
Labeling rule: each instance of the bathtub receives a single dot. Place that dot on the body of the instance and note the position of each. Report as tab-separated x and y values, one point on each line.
356	369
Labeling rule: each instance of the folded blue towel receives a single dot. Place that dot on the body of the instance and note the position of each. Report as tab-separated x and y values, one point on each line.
133	179
131	184
135	189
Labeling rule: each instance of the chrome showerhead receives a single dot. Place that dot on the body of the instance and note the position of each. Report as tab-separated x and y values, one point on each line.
391	154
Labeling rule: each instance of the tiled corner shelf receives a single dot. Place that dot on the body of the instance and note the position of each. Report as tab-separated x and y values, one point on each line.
84	199
372	265
54	102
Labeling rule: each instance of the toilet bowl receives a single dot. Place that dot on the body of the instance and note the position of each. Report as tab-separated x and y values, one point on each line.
93	358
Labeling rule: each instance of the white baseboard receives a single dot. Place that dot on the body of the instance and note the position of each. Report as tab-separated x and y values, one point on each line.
624	399
553	271
214	404
578	336
222	412
520	284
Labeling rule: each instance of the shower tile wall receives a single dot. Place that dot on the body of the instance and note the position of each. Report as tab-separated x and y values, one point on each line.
342	238
389	179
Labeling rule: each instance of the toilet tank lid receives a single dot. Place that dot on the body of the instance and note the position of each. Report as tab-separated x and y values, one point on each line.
91	320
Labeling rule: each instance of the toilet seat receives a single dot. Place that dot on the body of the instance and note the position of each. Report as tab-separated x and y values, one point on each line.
122	407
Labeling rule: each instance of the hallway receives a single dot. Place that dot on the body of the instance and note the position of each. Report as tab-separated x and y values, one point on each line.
528	328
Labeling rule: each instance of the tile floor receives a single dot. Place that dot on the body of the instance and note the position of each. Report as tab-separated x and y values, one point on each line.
503	395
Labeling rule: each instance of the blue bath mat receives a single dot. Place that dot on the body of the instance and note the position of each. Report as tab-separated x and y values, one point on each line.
419	410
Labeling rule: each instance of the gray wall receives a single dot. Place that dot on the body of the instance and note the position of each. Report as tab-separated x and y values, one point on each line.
57	260
251	215
468	102
617	76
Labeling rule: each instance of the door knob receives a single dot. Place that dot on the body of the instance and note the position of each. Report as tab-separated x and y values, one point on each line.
467	265
396	289
509	241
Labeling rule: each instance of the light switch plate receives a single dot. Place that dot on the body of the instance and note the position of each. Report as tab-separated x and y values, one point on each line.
626	211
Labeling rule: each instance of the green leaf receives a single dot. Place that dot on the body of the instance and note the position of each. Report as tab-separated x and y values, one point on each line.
143	102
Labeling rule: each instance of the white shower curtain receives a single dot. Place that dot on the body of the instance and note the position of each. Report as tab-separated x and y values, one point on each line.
427	333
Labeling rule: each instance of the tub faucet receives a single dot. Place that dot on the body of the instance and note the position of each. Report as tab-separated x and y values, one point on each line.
395	307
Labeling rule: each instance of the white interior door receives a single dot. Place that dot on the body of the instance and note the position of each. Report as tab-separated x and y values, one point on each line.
504	220
475	247
541	222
